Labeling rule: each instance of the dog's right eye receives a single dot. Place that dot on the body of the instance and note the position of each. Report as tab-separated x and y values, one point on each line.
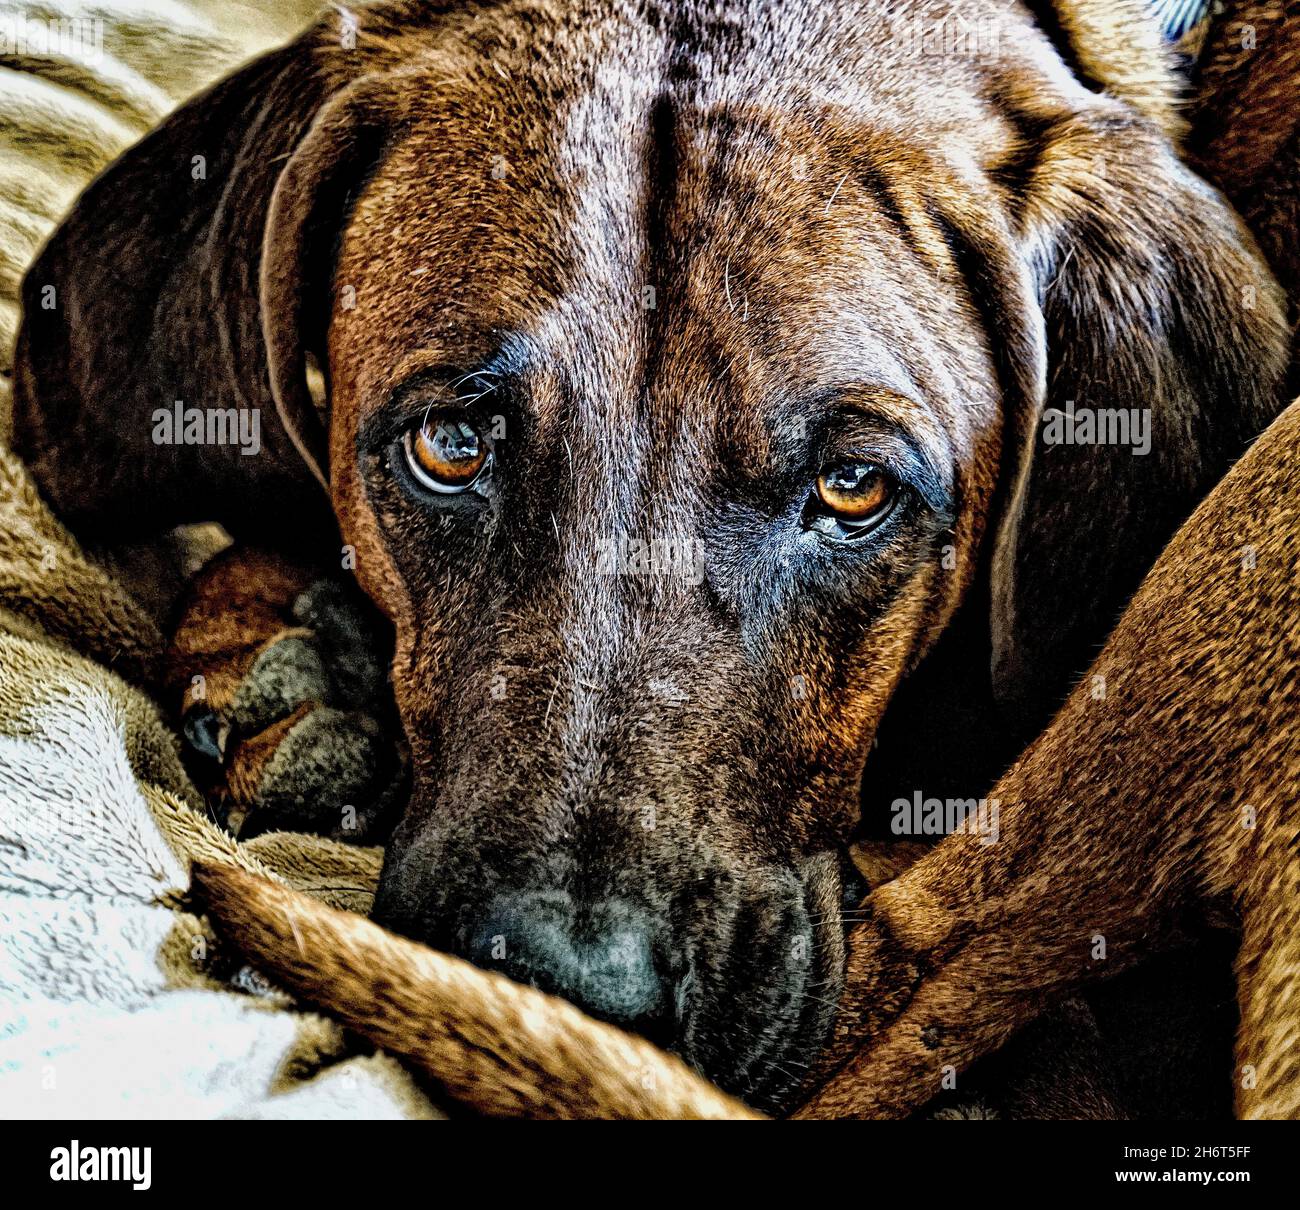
445	452
850	500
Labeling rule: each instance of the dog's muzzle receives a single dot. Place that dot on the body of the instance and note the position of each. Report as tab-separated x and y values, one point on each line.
609	959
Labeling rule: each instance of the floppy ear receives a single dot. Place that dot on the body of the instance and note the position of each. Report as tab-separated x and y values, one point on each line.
1158	313
168	283
306	213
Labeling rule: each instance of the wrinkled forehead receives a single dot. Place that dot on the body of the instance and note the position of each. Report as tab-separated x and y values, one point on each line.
652	254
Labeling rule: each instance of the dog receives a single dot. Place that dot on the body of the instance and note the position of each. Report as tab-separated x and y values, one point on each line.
1174	806
684	375
497	1047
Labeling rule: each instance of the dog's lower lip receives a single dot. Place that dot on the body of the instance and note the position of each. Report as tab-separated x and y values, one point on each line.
752	977
783	1034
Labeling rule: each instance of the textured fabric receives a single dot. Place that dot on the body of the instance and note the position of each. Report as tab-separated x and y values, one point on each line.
114	1002
79	82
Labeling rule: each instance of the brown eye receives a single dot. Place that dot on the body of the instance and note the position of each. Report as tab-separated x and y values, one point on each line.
852	499
446	453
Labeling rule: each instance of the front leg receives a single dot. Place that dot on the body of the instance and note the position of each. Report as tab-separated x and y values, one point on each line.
277	671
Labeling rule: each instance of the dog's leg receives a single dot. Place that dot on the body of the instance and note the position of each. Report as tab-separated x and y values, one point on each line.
1144	799
1055	1068
495	1045
1267	1072
277	673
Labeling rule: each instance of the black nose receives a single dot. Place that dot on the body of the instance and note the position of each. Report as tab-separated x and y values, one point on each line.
603	958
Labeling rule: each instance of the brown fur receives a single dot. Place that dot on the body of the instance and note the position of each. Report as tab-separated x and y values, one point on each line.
276	674
1116	46
1170	795
1246	128
234	610
853	247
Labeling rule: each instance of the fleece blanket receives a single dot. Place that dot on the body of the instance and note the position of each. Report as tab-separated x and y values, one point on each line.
114	1001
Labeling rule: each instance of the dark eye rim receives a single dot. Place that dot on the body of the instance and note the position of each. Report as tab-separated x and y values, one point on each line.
420	477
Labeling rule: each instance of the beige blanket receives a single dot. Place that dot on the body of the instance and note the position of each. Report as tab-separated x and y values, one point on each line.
114	1002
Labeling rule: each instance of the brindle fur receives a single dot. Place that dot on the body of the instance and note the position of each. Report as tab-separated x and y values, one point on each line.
834	229
1246	130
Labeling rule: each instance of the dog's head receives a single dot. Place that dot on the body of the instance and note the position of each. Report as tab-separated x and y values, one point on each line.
683	374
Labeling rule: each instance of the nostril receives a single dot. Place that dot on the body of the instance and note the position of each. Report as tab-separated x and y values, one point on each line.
603	959
205	733
854	887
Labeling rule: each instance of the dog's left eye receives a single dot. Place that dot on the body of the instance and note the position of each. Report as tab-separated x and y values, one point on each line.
445	452
850	500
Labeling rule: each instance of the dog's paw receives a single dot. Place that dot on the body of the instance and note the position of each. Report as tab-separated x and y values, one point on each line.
286	717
